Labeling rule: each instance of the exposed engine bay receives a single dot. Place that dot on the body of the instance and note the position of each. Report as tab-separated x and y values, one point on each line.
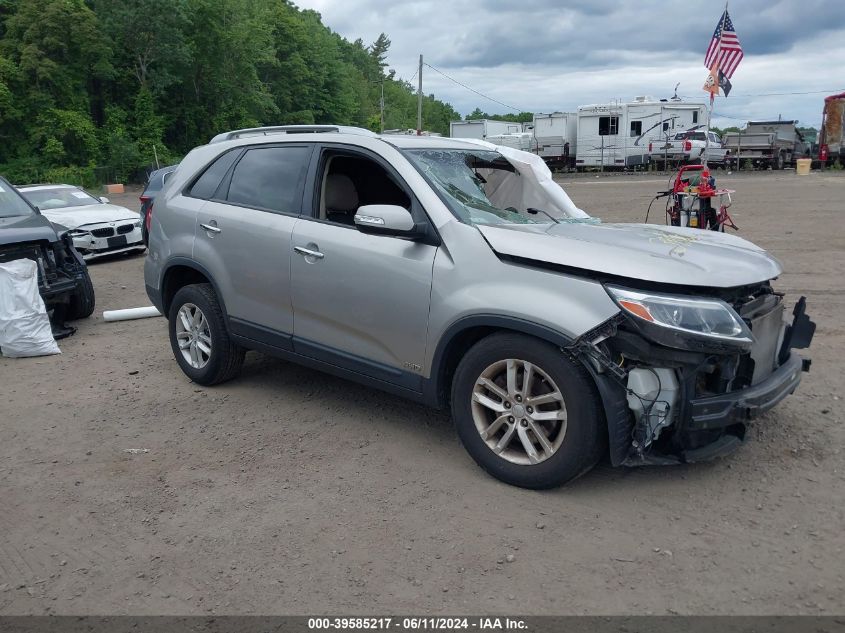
673	398
60	271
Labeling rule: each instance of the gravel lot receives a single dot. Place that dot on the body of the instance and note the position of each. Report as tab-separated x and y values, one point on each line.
288	491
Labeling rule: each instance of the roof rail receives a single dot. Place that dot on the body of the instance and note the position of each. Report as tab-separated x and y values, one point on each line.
291	129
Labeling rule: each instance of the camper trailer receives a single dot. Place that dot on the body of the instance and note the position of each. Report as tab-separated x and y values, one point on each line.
482	128
556	137
618	134
523	141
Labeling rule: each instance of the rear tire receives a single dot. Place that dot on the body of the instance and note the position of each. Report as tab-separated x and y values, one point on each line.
81	304
483	397
199	339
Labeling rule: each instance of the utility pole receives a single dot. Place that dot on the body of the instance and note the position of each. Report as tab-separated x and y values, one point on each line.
382	105
419	98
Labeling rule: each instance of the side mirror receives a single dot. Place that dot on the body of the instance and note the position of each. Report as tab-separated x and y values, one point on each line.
388	219
103	199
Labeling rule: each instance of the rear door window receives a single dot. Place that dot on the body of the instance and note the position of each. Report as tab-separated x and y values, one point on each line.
270	178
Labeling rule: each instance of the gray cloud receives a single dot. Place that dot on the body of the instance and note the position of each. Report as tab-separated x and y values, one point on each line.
547	54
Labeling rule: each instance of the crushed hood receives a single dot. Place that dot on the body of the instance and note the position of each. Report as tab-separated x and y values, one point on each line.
26	228
75	217
646	252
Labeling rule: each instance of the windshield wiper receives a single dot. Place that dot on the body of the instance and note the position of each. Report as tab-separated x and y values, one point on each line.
534	211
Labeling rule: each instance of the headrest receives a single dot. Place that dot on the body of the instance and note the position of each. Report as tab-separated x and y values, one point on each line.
340	193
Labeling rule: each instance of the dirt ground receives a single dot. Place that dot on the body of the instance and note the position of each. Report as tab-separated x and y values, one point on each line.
287	491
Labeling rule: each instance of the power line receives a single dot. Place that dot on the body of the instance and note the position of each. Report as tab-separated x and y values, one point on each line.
783	94
728	116
480	94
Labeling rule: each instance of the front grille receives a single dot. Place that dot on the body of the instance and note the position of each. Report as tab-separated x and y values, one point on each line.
123	229
106	231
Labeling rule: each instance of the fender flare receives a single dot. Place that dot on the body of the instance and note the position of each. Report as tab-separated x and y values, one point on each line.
190	263
435	392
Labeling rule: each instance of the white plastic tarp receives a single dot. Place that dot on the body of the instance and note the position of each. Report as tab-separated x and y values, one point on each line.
535	188
24	324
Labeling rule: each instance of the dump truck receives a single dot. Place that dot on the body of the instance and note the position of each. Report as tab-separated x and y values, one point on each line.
832	137
774	144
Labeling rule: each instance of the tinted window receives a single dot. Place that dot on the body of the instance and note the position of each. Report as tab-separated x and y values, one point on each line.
210	180
270	178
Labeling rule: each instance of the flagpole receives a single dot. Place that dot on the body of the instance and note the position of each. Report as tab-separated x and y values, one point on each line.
713	95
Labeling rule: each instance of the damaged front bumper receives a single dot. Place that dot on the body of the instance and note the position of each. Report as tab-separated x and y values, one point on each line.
715	412
707	400
99	241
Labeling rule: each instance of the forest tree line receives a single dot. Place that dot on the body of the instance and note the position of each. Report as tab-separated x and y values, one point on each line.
99	89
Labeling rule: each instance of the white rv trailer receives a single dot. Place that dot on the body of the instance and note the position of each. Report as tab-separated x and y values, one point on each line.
552	133
482	128
523	141
618	134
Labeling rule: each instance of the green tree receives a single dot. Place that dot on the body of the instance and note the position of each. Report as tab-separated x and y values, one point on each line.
521	117
87	83
378	50
149	37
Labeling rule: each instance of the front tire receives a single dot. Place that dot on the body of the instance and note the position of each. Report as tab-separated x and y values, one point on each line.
81	304
525	412
199	339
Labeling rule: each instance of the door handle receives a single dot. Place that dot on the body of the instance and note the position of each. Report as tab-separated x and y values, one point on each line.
307	252
212	228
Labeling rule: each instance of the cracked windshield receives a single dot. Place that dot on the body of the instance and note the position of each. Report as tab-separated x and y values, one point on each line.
482	187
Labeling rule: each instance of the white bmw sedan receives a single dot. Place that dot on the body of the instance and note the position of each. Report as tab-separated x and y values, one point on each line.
97	227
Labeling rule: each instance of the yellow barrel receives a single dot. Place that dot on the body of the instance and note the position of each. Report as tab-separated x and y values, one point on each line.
803	166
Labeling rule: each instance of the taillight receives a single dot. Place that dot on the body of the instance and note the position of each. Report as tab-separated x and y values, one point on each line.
649	148
149	218
687	146
144	198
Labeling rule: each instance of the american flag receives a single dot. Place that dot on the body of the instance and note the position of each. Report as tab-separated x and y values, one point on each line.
724	47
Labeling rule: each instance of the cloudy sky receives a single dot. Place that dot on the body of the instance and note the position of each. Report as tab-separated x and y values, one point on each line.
548	55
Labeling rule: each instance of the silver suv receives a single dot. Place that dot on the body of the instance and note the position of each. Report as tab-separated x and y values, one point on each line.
456	273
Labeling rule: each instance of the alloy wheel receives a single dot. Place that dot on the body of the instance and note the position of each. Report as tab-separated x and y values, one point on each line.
193	335
519	411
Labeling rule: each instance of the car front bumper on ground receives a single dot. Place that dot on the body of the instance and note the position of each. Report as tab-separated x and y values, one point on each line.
715	412
107	239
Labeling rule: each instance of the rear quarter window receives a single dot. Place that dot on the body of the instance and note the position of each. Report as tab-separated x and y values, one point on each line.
207	184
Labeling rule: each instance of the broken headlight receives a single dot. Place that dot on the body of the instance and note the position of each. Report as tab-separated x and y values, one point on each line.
684	322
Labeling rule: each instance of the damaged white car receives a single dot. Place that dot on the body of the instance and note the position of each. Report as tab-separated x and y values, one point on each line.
97	227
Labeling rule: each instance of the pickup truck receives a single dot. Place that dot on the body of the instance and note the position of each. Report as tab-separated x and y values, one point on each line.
688	147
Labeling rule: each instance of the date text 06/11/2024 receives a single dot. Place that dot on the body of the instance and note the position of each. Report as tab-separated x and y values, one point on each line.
417	623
